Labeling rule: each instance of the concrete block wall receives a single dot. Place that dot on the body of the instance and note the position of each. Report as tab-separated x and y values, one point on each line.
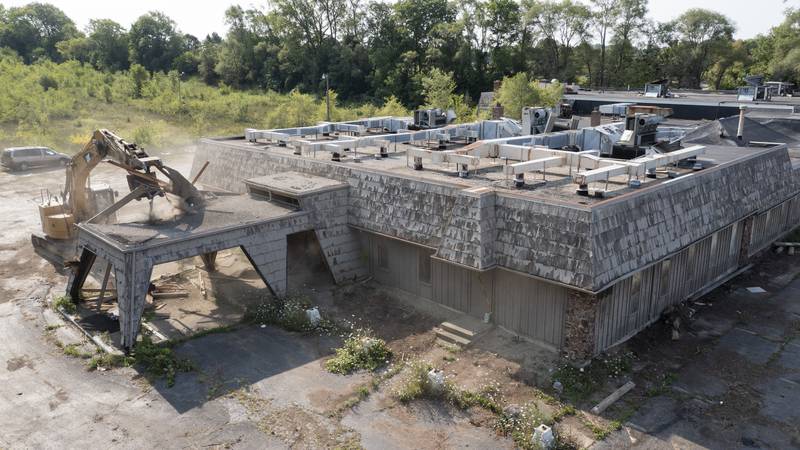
268	256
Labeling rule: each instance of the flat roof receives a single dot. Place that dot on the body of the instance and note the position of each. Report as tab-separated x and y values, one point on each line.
295	184
220	213
685	98
555	185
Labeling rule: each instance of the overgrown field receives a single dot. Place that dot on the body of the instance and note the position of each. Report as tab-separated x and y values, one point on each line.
59	105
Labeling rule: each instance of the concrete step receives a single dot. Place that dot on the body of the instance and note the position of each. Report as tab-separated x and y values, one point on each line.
457	330
451	338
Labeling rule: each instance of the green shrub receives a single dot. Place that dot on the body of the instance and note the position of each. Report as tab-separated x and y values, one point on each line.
143	136
159	361
288	313
109	360
416	385
580	383
65	303
359	352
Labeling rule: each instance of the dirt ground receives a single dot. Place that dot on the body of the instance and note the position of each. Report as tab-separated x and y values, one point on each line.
729	381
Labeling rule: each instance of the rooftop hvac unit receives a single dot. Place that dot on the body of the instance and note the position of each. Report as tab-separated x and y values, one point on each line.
755	89
536	120
425	119
657	88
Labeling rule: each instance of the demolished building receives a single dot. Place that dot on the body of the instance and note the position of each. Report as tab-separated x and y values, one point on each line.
549	236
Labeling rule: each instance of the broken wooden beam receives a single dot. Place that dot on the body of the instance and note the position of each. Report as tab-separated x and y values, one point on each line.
169	294
608	401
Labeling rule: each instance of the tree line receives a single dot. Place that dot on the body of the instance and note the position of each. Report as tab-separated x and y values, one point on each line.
371	50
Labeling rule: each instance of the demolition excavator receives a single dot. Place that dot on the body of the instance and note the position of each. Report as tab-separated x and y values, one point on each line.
80	202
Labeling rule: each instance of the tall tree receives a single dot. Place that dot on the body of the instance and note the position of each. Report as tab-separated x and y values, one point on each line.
702	36
631	19
154	42
34	30
606	15
108	42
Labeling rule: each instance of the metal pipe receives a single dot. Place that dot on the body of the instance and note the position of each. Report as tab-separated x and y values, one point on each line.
740	130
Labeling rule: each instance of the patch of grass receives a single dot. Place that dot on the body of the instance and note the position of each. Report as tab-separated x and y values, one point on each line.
449	358
486	398
360	351
109	361
288	313
601	432
580	383
416	384
361	394
521	424
74	351
64	303
564	411
662	385
159	361
389	373
148	315
52	327
452	348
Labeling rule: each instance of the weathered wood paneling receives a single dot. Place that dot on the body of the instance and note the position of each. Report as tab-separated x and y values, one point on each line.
636	301
530	307
771	224
462	289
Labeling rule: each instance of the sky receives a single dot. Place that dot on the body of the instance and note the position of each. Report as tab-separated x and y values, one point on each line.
201	17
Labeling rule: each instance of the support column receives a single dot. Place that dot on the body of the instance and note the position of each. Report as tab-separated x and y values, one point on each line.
133	279
210	261
78	276
268	257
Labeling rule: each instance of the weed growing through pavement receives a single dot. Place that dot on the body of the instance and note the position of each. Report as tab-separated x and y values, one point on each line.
64	303
580	383
360	351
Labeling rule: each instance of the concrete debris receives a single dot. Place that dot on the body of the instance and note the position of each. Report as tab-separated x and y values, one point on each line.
756	290
543	437
436	380
313	316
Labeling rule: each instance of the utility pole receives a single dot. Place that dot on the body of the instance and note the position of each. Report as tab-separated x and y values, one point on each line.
327	97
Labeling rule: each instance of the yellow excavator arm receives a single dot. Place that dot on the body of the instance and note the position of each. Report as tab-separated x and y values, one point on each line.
107	146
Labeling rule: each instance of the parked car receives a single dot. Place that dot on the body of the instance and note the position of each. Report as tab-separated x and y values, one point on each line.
24	158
